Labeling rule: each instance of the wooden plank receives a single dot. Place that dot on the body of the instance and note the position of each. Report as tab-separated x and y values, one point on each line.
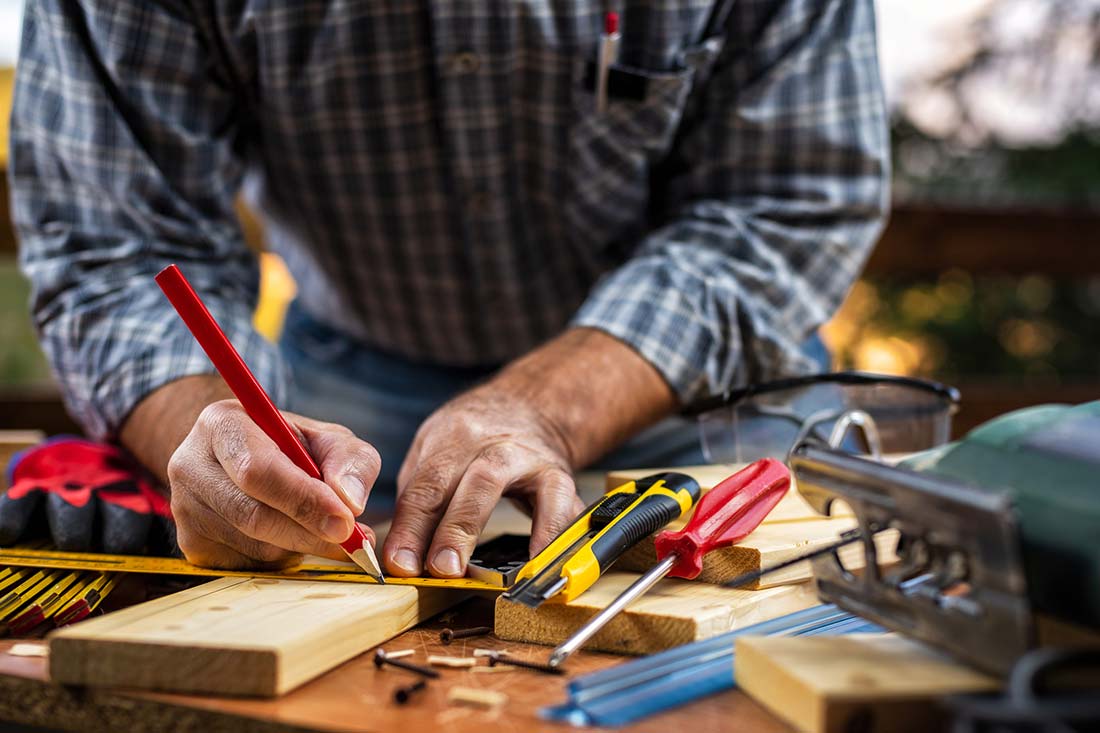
11	442
673	612
352	698
770	545
791	529
238	636
866	682
791	508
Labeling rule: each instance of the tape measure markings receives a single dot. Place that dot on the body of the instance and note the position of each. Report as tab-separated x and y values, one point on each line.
57	560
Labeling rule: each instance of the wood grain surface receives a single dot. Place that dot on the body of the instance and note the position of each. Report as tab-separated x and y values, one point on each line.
238	636
769	545
673	612
866	682
13	441
354	697
791	529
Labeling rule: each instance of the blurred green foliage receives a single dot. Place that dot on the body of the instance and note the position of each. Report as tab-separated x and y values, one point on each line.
21	361
1065	175
991	326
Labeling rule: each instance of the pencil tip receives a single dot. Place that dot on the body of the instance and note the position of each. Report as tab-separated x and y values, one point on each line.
368	561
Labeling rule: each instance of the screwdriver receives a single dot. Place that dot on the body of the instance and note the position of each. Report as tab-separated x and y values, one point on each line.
725	516
600	535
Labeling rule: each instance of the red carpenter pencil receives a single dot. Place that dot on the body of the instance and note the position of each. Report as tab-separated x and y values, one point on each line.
251	395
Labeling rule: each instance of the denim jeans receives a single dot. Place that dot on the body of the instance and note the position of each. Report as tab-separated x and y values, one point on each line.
384	398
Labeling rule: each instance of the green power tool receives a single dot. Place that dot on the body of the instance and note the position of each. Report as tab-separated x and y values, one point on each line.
992	529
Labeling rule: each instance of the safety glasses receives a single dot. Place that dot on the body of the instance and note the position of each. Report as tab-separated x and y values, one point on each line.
770	419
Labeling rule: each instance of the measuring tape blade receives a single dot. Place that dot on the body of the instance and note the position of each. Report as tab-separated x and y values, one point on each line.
57	560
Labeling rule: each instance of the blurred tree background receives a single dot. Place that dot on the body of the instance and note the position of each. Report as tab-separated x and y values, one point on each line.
1000	113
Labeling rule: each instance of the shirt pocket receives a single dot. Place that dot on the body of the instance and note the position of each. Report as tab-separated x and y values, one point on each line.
611	155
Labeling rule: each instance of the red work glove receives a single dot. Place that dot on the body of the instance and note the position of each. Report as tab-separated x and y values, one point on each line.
95	498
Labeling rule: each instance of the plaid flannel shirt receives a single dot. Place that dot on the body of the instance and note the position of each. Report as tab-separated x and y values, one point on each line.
438	179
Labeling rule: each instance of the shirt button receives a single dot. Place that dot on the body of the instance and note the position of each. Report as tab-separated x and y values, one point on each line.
466	62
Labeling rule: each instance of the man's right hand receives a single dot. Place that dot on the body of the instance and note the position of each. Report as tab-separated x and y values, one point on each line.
238	501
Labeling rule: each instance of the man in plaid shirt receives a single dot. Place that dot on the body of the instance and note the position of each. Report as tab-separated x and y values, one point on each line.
498	285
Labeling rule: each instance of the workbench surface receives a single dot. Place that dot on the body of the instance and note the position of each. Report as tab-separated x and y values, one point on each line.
354	697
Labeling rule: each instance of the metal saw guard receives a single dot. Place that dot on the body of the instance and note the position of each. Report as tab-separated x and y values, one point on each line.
960	582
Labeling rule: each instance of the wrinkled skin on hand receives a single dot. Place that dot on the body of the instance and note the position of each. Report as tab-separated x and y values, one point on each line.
240	502
483	445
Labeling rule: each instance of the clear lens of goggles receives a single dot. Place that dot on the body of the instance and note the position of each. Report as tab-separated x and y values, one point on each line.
768	421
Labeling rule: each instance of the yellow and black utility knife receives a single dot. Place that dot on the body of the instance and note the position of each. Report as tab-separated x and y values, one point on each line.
600	535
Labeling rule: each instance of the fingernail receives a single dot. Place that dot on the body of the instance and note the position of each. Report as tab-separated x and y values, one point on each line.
336	528
407	561
355	491
446	562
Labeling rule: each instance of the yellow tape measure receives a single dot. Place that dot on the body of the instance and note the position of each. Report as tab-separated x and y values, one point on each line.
57	560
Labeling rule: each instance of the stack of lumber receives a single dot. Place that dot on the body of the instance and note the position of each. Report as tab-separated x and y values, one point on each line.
676	612
793	528
672	613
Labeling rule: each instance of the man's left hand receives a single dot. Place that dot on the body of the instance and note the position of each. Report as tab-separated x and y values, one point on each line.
520	435
485	444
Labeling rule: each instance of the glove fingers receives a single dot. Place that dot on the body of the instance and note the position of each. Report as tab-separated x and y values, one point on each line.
162	538
71	526
17	516
123	531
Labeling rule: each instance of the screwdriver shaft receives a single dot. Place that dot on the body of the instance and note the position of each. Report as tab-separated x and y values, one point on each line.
597	622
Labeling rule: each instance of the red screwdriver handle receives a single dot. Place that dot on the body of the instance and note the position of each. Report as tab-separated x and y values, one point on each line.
725	516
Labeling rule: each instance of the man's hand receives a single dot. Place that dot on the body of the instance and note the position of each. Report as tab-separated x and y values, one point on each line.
520	435
480	446
238	501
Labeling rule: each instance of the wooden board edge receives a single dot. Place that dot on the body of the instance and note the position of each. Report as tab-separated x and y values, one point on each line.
427	603
646	631
73	658
75	661
758	676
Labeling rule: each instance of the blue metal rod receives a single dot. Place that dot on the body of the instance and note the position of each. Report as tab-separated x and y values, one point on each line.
628	674
637	689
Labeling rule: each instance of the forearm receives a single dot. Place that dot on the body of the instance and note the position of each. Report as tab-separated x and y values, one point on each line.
592	389
160	422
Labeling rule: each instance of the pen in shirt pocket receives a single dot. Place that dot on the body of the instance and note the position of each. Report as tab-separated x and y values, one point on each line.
608	55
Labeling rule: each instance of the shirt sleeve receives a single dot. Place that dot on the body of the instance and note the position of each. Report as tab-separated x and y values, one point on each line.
123	160
782	191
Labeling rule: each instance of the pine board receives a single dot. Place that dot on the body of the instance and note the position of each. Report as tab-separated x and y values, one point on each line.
791	529
11	442
791	508
238	636
866	682
769	545
673	612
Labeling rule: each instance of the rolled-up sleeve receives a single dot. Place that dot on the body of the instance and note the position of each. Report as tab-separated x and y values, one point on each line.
780	190
124	160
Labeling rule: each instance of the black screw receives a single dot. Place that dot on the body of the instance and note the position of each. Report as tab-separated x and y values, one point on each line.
380	659
544	668
402	694
448	635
